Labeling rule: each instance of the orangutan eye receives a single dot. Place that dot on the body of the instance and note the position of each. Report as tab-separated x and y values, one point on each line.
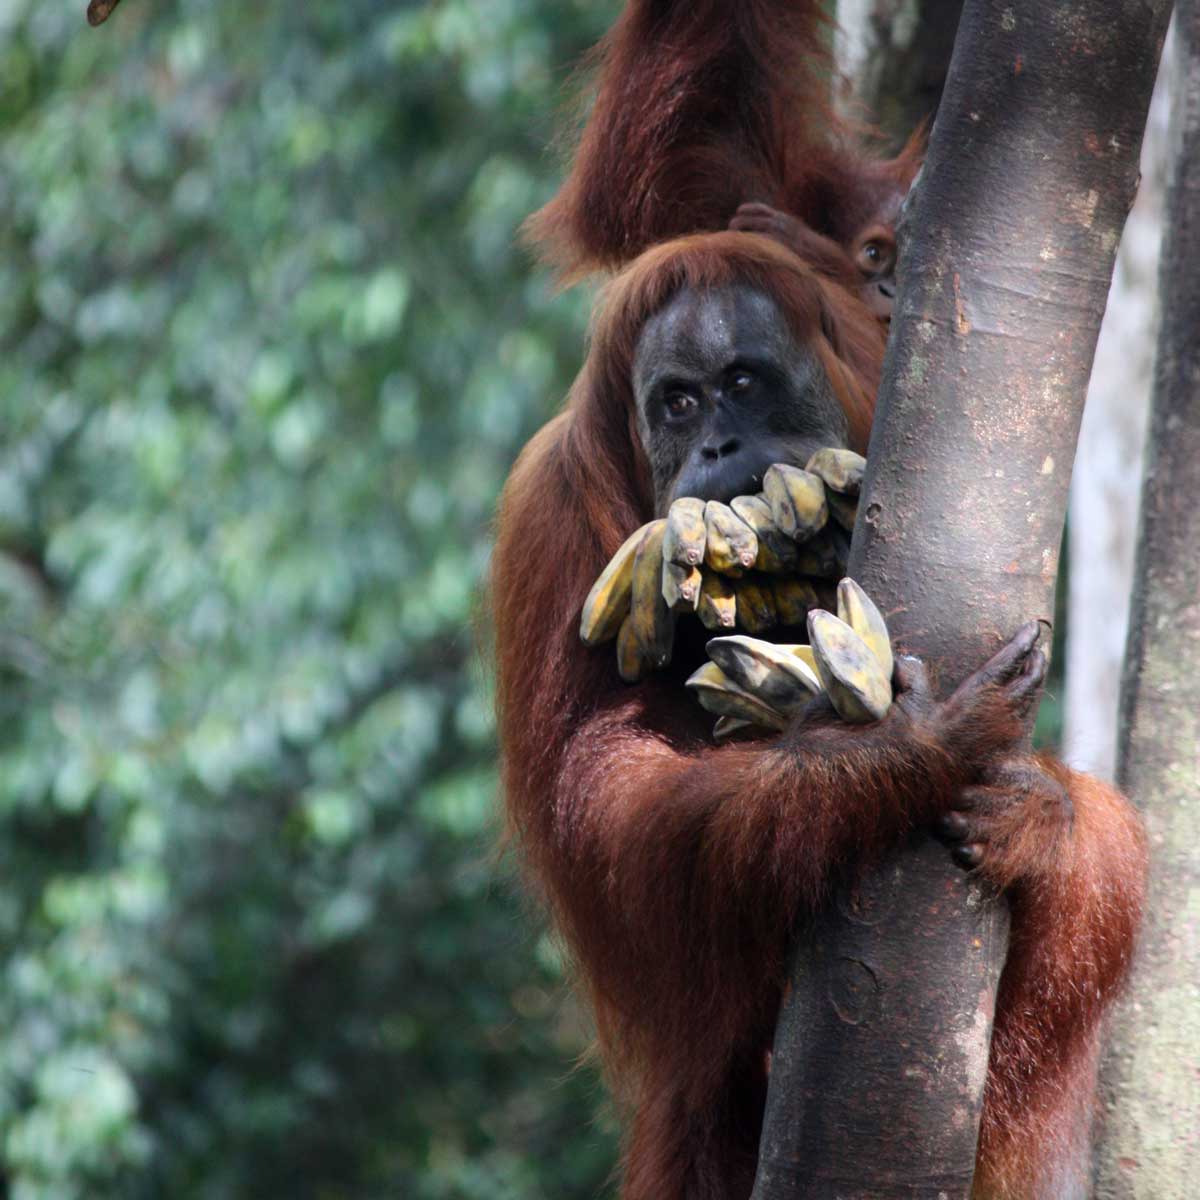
679	404
876	258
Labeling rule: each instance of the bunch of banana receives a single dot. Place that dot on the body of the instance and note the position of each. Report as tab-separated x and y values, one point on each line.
755	684
747	564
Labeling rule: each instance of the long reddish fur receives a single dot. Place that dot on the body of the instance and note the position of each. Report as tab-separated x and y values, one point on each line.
700	106
676	869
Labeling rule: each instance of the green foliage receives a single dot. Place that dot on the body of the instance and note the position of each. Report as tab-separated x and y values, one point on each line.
267	351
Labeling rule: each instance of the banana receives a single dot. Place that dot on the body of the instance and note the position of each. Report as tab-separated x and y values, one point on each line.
776	551
771	673
849	671
843	509
805	654
796	499
858	610
727	727
841	543
717	693
681	586
824	555
632	663
731	546
755	604
683	542
842	470
718	604
708	675
653	622
793	599
607	604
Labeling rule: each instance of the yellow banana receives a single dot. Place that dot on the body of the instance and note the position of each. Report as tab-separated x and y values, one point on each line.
755	604
842	470
718	604
776	551
849	671
731	546
793	599
858	610
769	672
681	586
843	509
805	654
607	604
652	619
683	542
796	499
824	555
717	693
727	727
632	663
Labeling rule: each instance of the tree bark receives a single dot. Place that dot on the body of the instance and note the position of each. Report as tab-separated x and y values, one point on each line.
1150	1135
894	55
1102	517
881	1049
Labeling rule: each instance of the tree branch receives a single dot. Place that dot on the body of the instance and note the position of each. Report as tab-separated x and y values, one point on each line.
881	1050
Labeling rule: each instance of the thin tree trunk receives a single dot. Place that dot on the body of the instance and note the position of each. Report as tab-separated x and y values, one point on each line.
881	1049
1102	517
893	55
1149	1146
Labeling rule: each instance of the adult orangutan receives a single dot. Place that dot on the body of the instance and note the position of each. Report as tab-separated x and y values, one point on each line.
677	870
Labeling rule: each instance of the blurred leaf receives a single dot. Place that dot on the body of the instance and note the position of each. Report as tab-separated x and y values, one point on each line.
267	350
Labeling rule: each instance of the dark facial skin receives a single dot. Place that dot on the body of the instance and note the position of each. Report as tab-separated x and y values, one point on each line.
723	390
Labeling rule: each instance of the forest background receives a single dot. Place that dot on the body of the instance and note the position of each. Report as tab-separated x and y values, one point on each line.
267	351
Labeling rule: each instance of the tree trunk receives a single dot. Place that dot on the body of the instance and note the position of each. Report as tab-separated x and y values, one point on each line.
893	55
881	1049
1102	516
1150	1141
